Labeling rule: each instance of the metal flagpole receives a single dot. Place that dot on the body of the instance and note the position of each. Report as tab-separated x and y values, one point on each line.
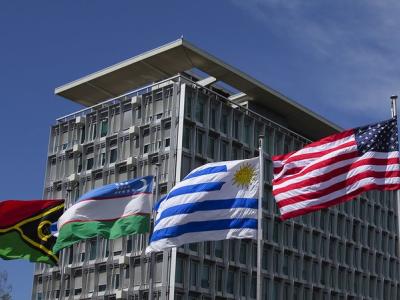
259	216
393	110
152	254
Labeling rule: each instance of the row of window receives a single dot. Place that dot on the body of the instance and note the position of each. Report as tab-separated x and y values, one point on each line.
208	111
97	156
301	238
205	276
113	119
193	274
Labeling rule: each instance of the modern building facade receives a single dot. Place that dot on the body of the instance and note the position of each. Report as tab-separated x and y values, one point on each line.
179	107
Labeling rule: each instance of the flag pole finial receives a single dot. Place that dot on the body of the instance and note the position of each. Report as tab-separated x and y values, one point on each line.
393	107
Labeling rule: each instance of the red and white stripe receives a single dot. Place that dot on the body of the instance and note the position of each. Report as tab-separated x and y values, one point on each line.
328	172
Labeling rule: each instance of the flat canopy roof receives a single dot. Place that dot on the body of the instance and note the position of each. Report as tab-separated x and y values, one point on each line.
177	57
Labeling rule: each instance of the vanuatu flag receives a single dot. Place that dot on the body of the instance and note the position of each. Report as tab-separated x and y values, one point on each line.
25	229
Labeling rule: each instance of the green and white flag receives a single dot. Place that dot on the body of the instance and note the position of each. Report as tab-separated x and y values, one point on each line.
111	211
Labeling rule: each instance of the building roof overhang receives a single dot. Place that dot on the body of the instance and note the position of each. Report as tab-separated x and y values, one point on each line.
177	57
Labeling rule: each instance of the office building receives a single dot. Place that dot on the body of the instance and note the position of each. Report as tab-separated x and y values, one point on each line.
181	107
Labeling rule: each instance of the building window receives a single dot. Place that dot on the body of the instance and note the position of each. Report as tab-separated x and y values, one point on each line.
194	269
115	279
285	265
92	131
104	128
82	134
200	108
264	258
102	287
213	117
230	282
243	286
137	272
89	163
199	142
205	276
102	158
236	126
232	250
179	274
186	137
224	121
167	142
113	155
236	153
246	132
146	148
92	249
315	272
224	151
275	262
211	147
253	289
188	103
243	252
220	272
219	249
193	247
207	248
82	256
126	119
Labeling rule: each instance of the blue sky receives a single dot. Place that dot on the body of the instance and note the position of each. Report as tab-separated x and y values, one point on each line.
338	58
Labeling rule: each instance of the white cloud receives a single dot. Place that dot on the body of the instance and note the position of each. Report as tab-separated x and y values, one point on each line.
359	39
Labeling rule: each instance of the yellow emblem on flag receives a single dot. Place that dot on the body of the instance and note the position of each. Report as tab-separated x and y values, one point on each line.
243	177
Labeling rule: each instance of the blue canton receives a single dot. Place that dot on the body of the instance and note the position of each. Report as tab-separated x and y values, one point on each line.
379	137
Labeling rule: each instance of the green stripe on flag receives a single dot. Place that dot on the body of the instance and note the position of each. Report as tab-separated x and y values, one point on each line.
12	246
73	232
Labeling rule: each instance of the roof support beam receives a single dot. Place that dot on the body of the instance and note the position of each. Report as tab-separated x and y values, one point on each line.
239	97
206	81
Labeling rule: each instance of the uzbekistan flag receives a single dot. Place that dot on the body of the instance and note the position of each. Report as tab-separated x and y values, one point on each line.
25	229
111	211
337	169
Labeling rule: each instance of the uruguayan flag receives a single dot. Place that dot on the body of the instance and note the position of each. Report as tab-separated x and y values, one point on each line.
213	202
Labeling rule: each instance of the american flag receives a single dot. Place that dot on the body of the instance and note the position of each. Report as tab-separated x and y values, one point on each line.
337	168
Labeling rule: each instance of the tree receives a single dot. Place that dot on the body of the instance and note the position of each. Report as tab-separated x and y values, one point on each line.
5	288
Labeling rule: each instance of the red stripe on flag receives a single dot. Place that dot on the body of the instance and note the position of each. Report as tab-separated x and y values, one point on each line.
336	172
337	186
311	167
14	211
326	140
314	154
339	200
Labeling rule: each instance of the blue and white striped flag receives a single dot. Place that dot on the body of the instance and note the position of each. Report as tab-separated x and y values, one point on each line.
213	202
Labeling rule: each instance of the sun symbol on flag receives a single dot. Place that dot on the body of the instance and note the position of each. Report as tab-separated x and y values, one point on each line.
243	177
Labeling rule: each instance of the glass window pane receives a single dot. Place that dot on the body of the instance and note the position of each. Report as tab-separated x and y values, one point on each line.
205	276
113	155
104	128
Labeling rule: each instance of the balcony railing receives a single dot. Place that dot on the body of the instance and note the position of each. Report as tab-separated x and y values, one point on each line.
118	99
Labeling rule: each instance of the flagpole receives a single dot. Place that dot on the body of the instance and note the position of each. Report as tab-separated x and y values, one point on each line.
393	110
259	216
152	254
